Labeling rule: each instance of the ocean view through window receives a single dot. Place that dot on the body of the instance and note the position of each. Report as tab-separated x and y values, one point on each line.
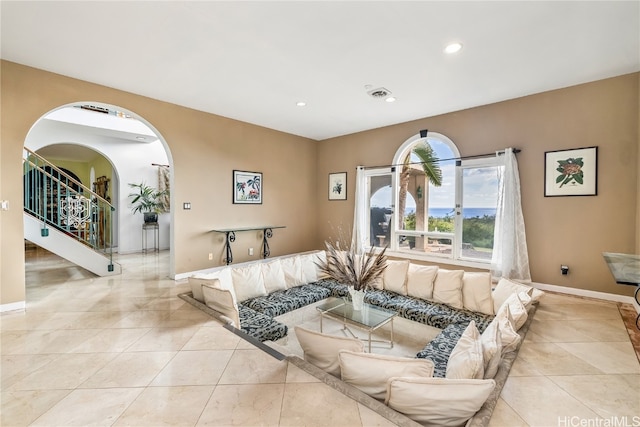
454	219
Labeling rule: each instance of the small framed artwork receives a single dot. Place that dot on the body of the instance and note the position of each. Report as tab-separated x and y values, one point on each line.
247	187
338	186
571	172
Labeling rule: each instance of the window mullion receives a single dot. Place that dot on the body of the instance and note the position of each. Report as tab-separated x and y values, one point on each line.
393	244
457	221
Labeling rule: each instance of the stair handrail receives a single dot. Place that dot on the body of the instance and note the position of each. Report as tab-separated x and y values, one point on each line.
62	173
33	159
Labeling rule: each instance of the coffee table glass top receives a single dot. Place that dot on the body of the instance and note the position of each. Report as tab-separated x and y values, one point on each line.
370	315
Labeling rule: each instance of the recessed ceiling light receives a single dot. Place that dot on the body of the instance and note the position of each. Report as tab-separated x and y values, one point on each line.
141	138
380	93
390	99
453	47
301	104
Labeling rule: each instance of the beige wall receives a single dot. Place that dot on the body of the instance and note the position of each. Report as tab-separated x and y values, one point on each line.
204	149
560	230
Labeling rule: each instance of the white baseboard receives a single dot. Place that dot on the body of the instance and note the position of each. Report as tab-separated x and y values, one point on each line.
589	294
20	305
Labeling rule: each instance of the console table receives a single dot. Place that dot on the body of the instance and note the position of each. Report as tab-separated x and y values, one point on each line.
626	270
230	233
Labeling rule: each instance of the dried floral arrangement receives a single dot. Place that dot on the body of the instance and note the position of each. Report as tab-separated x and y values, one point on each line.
358	271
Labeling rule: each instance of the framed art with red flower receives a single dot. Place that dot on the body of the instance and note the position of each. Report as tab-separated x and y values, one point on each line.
571	172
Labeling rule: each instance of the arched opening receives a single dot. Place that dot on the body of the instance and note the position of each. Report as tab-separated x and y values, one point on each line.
108	147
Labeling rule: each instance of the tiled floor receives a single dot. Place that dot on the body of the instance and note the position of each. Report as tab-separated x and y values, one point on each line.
126	351
576	365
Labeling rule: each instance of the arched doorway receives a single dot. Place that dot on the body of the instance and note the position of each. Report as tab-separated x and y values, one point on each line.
131	149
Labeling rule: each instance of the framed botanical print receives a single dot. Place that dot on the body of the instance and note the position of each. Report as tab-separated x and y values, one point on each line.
571	172
338	186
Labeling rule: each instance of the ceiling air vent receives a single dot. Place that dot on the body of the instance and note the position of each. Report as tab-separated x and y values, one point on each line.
379	93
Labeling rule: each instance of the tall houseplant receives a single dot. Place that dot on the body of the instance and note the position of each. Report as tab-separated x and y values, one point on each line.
147	200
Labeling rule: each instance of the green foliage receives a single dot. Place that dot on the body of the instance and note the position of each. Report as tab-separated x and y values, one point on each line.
570	170
146	199
410	221
478	231
430	164
443	225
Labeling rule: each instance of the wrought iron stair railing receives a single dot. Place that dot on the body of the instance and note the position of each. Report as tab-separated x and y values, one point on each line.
62	202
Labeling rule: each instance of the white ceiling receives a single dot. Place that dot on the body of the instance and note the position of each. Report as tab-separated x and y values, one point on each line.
253	61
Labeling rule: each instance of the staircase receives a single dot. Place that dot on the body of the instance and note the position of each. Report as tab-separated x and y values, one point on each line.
67	218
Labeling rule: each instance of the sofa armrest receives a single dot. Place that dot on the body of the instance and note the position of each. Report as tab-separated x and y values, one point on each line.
221	300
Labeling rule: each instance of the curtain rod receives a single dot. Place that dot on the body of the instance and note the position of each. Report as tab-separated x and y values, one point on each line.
457	159
156	164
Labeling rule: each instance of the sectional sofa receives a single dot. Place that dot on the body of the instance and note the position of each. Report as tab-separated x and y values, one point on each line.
478	323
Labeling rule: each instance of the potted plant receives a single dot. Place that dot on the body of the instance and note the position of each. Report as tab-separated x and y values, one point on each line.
147	200
358	272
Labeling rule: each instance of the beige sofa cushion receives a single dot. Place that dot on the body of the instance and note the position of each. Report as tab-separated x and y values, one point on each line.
508	335
223	276
308	268
438	401
536	295
491	349
248	282
273	276
292	271
394	277
466	360
320	258
447	287
322	350
420	280
525	299
505	288
516	309
371	372
222	301
476	292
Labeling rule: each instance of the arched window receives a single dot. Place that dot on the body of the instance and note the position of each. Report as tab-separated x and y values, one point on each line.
453	221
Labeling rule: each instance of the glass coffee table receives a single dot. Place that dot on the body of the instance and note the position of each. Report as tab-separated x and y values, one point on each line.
369	318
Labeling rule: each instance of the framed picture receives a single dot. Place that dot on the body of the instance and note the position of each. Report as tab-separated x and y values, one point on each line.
338	186
571	172
247	187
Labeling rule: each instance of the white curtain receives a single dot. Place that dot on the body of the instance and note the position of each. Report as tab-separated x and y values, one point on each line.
360	231
510	257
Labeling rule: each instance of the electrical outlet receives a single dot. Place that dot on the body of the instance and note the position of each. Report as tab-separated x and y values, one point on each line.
210	256
250	251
